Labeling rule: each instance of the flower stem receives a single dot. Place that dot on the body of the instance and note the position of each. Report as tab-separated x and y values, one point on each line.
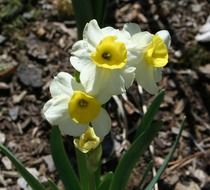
82	168
87	175
92	184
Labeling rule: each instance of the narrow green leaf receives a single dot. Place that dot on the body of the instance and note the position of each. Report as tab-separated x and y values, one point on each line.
167	159
99	10
52	185
106	181
62	162
31	180
148	169
130	158
83	13
76	76
149	115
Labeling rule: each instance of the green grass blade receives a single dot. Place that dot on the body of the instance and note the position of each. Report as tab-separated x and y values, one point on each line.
149	115
167	159
31	180
130	158
148	169
62	163
52	185
83	13
106	181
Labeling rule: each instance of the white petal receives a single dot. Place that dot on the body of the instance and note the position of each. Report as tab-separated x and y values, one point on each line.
63	83
88	77
108	83
158	74
121	35
55	109
164	34
103	98
102	124
79	62
69	127
145	77
95	81
102	83
133	56
109	31
141	39
129	75
115	83
132	28
80	49
92	33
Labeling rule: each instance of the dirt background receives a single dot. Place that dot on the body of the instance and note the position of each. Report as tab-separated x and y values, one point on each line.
35	43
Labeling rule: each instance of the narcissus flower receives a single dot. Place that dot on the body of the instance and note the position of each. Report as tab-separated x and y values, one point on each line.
105	59
74	110
153	55
87	141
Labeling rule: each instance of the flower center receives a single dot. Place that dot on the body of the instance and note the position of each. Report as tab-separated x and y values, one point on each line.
83	108
110	54
82	103
156	52
87	141
106	55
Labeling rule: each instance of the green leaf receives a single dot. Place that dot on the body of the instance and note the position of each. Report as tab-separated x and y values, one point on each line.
106	181
83	12
62	162
148	168
76	76
130	158
31	180
167	159
99	10
52	185
151	112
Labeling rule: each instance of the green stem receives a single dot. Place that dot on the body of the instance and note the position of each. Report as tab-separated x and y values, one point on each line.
87	175
97	175
83	170
92	184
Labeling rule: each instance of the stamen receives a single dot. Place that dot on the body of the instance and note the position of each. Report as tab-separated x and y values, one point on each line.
106	55
82	103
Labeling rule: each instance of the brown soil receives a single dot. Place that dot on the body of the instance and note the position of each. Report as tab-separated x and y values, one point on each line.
35	45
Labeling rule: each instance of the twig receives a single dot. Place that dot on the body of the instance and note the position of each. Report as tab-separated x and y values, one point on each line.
121	114
177	164
119	147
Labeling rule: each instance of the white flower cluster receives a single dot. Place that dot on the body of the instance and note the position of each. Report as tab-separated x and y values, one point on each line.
108	60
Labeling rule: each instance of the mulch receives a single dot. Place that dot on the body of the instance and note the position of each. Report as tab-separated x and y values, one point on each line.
36	45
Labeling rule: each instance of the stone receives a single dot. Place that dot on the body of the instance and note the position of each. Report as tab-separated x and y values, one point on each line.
30	76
